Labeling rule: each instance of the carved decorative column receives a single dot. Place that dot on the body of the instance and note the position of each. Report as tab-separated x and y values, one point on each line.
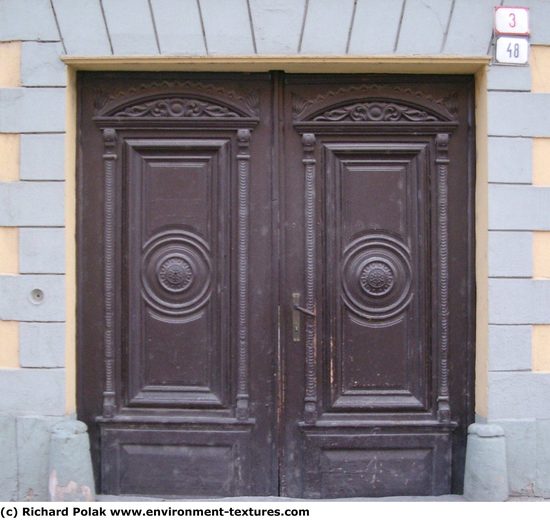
109	161
310	405
442	162
243	158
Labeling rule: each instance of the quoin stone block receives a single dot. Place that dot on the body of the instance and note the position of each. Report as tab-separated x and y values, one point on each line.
42	157
509	347
510	160
510	254
32	204
32	298
18	388
42	345
42	250
41	66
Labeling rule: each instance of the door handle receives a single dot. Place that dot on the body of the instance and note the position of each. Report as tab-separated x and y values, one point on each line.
305	311
297	311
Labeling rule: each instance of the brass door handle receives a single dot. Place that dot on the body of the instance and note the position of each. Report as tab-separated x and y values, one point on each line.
305	311
297	310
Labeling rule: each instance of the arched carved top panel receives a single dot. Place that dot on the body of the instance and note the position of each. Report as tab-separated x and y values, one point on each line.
177	106
180	99
375	111
407	99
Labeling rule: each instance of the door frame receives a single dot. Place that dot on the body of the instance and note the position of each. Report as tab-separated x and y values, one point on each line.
297	64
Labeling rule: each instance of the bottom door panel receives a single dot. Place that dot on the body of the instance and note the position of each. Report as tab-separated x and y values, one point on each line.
182	462
375	464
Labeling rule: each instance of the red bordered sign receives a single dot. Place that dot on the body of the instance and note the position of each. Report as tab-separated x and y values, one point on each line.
512	20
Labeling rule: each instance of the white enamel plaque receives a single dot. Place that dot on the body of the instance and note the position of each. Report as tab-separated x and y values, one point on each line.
512	20
512	50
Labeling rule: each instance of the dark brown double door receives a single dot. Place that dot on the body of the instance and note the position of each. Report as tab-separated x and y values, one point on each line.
275	283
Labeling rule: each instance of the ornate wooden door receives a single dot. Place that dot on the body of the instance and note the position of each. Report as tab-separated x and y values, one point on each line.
275	283
378	237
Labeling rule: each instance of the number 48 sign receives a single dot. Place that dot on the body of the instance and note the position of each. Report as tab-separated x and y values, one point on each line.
512	31
512	50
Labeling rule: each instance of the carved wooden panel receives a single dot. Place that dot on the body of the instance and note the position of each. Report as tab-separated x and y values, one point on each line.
377	268
375	464
178	239
185	462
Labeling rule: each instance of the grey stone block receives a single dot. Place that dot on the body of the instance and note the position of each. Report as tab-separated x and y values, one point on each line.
277	25
519	208
33	442
542	389
539	19
17	303
542	482
521	455
227	26
519	114
375	27
485	475
470	27
42	157
178	26
42	345
32	110
42	250
41	66
519	302
70	465
8	458
511	396
423	26
519	395
27	20
507	77
82	26
510	253
327	27
510	159
32	204
32	391
509	347
130	25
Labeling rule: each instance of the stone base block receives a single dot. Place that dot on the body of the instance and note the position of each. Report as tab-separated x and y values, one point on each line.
70	466
486	477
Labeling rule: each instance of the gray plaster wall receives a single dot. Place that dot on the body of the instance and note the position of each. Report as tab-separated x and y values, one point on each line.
33	396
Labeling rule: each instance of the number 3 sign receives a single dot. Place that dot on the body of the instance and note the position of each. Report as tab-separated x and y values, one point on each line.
512	20
514	23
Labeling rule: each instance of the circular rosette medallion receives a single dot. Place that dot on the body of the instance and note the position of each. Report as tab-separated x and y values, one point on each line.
176	273
376	277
